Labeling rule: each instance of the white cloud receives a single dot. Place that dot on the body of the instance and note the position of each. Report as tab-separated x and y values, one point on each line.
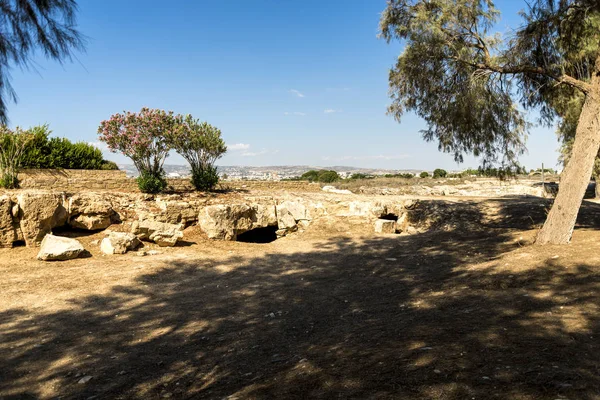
259	153
300	114
238	146
99	145
332	111
360	158
296	92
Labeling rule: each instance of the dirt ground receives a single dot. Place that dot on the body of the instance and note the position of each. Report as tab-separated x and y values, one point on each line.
334	313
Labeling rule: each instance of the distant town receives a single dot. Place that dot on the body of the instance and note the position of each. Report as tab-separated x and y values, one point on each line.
269	173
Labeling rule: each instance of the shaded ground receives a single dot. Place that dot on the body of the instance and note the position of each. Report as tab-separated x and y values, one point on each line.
334	313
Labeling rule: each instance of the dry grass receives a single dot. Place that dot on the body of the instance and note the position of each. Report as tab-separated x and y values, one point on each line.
335	313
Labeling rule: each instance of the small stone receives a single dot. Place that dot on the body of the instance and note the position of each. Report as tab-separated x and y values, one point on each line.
85	379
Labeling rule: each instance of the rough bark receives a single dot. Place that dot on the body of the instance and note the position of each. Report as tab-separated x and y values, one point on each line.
575	178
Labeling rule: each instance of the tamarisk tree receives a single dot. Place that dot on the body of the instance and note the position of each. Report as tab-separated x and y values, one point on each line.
28	27
467	83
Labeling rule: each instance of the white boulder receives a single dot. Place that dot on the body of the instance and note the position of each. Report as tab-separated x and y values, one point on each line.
58	248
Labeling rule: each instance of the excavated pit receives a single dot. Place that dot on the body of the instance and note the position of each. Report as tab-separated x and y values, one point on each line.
259	235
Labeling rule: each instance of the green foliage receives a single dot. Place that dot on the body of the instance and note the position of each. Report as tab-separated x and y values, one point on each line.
406	175
48	152
8	181
12	148
141	136
359	175
151	183
439	173
201	145
328	176
31	28
109	166
324	176
466	80
205	179
311	176
424	174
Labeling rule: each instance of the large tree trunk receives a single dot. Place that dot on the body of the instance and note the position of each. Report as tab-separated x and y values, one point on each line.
575	178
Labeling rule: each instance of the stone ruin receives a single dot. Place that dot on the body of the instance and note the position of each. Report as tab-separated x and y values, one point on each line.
28	217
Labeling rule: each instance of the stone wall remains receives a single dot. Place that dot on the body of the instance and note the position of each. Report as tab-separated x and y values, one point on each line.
78	180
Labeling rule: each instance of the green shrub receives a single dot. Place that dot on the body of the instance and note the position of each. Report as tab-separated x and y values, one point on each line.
328	176
151	183
439	173
359	175
424	174
51	153
311	176
205	179
12	148
9	181
109	166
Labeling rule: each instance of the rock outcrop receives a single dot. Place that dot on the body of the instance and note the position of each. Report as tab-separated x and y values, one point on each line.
385	226
119	243
58	248
9	230
90	211
39	212
161	233
227	221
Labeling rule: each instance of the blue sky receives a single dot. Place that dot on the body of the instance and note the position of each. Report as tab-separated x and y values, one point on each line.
286	82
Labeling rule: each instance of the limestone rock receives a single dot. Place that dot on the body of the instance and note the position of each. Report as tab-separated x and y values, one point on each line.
403	223
385	226
8	229
333	189
285	219
296	209
119	243
176	212
40	212
90	211
161	233
226	221
58	248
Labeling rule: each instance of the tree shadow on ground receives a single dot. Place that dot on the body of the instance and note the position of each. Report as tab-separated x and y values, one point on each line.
409	317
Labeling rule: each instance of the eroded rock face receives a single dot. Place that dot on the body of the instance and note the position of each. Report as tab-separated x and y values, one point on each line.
58	248
177	212
385	226
9	232
39	213
119	243
226	221
161	233
90	211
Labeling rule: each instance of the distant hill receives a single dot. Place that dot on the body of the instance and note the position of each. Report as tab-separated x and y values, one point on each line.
268	172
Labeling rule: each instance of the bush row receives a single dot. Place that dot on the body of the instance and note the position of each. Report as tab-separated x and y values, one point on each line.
43	151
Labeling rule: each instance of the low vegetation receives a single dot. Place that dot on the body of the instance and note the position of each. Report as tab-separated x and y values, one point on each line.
34	148
324	176
147	137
